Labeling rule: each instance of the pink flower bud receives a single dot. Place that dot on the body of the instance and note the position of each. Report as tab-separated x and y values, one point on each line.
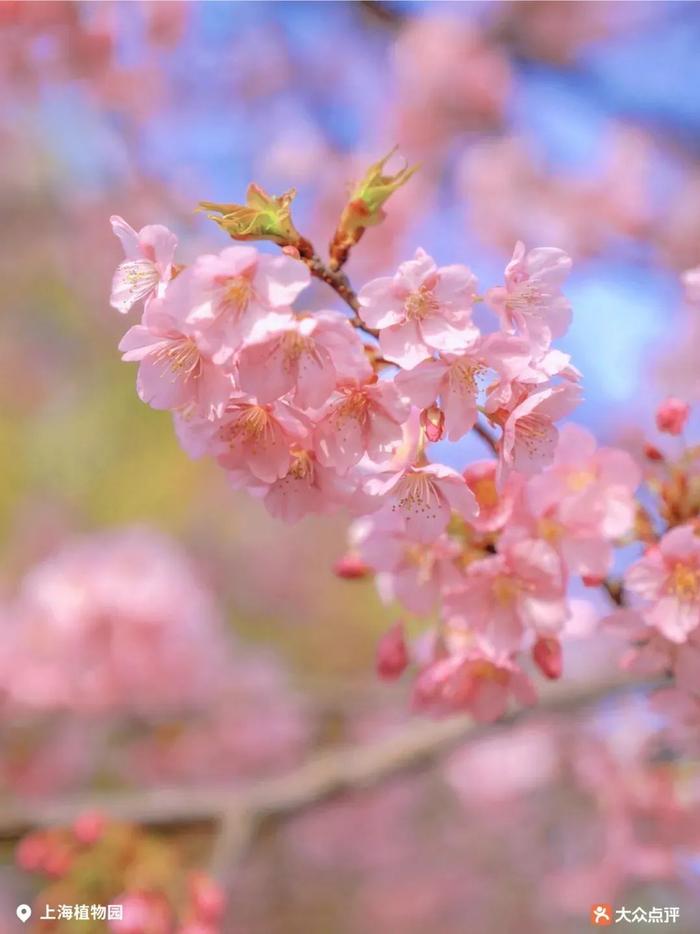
89	827
652	453
59	861
350	567
546	654
433	422
31	852
392	655
672	415
592	580
208	900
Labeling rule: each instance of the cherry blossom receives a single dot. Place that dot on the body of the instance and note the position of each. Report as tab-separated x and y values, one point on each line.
667	580
307	356
411	572
672	415
307	487
495	506
225	296
421	309
453	379
360	420
531	302
247	436
582	503
424	497
148	265
174	372
522	589
104	608
471	682
529	433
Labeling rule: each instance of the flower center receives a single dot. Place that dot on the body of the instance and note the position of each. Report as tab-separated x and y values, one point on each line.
463	377
486	492
140	275
181	358
579	480
294	345
526	297
416	493
237	293
685	582
504	590
549	530
252	423
302	467
532	432
420	304
422	559
354	405
486	671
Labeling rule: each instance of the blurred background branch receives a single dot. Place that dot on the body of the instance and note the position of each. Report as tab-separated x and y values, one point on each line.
338	770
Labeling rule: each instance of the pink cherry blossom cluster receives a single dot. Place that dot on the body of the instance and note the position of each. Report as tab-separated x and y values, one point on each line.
500	580
316	411
117	660
92	622
660	614
291	404
313	414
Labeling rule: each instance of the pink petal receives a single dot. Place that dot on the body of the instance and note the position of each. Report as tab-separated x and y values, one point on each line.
380	306
439	334
133	280
262	371
402	344
280	279
127	235
421	384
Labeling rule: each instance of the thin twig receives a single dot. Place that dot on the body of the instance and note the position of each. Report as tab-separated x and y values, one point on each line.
615	591
486	436
340	284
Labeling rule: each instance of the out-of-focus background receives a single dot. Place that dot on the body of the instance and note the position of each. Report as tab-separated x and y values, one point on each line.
567	124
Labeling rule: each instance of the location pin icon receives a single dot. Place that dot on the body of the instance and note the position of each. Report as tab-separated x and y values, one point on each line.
24	913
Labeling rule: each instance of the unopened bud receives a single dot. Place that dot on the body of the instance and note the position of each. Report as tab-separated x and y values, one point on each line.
392	654
31	852
263	217
433	422
350	567
652	453
208	898
672	415
89	827
364	208
592	580
58	861
546	654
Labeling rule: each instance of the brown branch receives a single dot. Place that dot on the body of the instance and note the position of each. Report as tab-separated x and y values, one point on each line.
340	769
384	13
487	437
337	281
615	591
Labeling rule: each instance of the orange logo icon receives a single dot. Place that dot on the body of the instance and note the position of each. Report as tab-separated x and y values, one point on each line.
601	915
